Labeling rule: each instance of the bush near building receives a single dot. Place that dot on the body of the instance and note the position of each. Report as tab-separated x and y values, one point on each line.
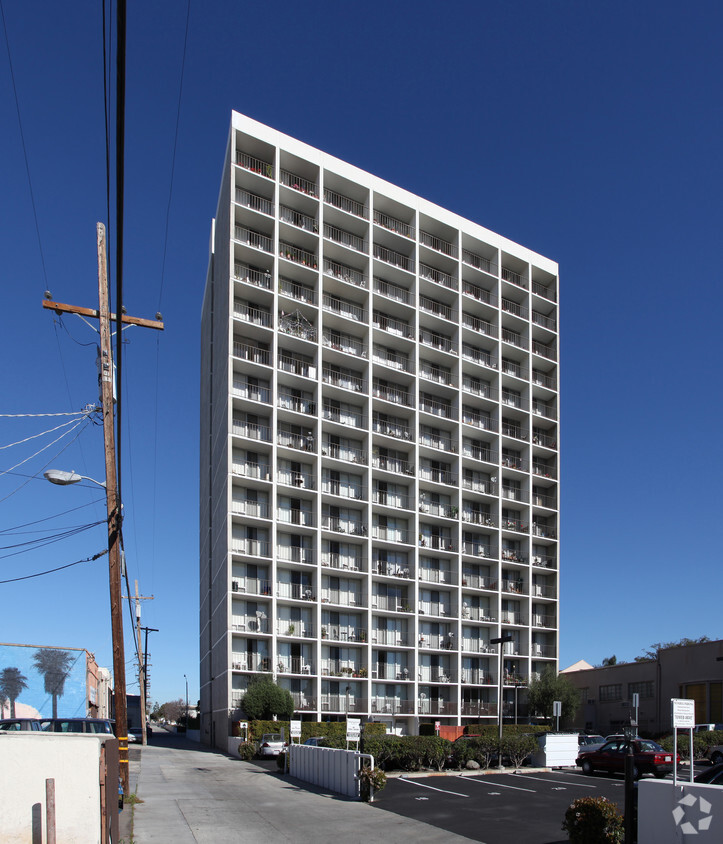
333	731
593	820
701	743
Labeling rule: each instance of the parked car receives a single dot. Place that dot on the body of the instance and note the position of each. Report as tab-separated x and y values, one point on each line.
704	728
137	733
591	742
715	753
95	726
11	725
272	744
315	741
712	775
650	758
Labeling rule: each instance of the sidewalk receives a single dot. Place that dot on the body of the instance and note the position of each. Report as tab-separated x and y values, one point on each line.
196	795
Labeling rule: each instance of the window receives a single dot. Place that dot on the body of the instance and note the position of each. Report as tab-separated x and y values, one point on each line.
644	689
614	691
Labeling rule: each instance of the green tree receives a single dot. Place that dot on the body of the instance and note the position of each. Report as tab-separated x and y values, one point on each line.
652	651
264	700
54	664
12	682
551	687
609	660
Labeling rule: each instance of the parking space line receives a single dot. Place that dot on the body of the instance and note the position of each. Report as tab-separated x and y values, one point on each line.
480	781
424	785
561	782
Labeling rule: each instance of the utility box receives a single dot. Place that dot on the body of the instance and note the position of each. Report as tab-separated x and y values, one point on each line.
556	750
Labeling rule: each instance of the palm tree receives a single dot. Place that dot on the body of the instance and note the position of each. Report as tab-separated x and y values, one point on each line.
12	682
55	667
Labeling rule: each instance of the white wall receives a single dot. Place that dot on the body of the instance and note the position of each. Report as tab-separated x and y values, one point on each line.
662	817
28	759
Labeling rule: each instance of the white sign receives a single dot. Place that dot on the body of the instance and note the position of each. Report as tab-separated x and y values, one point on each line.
295	729
683	713
353	729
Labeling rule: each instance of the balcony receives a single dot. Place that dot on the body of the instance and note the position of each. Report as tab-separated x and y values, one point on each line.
399	327
542	379
547	561
333	486
509	617
396	259
438	244
291	180
542	590
391	291
479	482
247	312
512	428
251	508
434	575
295	592
436	674
295	290
255	165
302	703
346	379
297	628
511	398
540	620
478	418
392	706
513	555
394	360
513	522
388	569
343	307
251	547
544	438
397	395
391	426
344	562
387	498
393	638
439	476
384	671
512	307
478	451
434	706
251	430
478	293
390	603
253	238
514	585
289	438
435	406
540	289
343	633
295	665
477	613
251	585
341	668
341	342
432	306
349	415
343	525
293	516
478	517
477	549
296	554
477	677
252	275
543	469
296	218
341	597
478	646
297	255
436	439
342	703
250	469
250	662
249	352
389	534
303	403
291	477
438	374
479	709
346	204
392	464
514	278
480	326
541	408
392	224
478	356
545	350
437	276
543	499
544	321
514	338
344	273
512	367
436	542
342	452
479	262
544	530
345	238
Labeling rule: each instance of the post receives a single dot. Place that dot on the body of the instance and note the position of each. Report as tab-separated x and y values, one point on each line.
50	810
141	665
186	679
500	641
106	377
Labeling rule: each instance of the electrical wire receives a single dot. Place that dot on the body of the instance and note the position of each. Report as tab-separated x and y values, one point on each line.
48	540
58	568
25	151
11	530
41	434
76	424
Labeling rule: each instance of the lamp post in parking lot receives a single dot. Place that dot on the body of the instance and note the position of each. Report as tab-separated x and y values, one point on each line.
500	641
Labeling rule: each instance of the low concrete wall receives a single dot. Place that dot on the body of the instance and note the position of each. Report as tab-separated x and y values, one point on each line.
193	735
669	814
26	761
233	743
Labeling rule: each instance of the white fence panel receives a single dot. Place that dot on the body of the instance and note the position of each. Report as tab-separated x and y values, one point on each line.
327	767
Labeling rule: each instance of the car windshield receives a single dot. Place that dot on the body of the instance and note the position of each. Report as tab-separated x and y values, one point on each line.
649	747
273	737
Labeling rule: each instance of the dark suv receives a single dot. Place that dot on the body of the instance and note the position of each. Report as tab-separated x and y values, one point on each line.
97	726
12	725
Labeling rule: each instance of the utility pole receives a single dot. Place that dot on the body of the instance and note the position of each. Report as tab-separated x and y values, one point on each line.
106	378
147	630
141	662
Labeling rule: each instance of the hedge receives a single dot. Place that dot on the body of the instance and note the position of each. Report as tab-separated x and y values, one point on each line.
701	743
408	753
333	731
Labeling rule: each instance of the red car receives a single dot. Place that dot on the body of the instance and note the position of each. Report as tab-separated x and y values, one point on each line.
650	758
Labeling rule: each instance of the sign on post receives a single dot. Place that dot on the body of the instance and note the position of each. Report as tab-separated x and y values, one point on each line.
353	729
295	730
683	717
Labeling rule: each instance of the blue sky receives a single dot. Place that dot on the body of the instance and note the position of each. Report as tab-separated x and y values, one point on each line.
587	132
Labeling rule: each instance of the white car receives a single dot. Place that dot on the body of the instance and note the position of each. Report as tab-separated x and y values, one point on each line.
272	744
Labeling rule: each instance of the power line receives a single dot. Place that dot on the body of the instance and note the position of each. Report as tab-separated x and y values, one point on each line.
47	540
9	531
58	568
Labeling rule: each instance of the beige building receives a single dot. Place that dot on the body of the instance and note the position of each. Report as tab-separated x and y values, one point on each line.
692	671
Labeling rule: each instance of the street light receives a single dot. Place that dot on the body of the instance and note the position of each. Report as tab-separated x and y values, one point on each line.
61	478
186	679
500	641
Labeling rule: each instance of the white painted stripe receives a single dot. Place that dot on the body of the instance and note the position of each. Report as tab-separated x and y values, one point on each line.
481	781
424	785
555	781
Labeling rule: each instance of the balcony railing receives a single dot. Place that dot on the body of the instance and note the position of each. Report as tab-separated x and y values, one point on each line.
295	665
295	591
345	273
297	366
541	590
341	668
539	620
392	706
479	262
479	709
253	509
543	470
514	523
291	180
252	275
391	569
428	575
437	276
439	476
477	292
251	585
254	201
252	353
342	597
385	671
346	562
544	291
544	560
512	307
296	218
344	416
543	409
256	316
303	480
514	278
478	646
300	292
391	499
390	603
437	542
297	628
513	429
250	662
438	374
477	677
391	428
248	469
298	255
432	706
395	638
393	326
397	395
343	525
481	326
392	535
542	379
437	341
434	674
343	379
436	641
432	306
388	357
393	224
512	367
544	321
251	547
343	308
480	356
256	165
543	500
254	238
438	244
392	464
513	555
391	291
509	617
478	482
396	259
342	452
515	586
333	487
302	703
439	441
478	418
478	517
476	613
295	517
546	531
436	407
346	203
251	430
343	633
545	350
514	338
295	554
344	343
345	238
477	549
299	404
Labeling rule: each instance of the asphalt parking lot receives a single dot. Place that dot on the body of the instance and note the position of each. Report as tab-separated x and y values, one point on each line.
524	808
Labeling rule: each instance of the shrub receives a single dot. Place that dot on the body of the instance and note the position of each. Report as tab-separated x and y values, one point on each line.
264	699
281	762
408	753
701	743
480	749
247	750
518	747
370	780
593	820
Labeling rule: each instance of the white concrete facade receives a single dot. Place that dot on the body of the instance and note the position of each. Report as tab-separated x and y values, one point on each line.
379	447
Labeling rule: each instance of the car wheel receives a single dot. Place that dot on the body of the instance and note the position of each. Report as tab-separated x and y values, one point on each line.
717	757
587	767
659	775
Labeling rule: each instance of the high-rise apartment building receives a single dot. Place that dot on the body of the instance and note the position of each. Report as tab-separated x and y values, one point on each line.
379	448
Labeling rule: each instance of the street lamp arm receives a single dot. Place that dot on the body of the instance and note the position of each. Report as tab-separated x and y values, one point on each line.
62	478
